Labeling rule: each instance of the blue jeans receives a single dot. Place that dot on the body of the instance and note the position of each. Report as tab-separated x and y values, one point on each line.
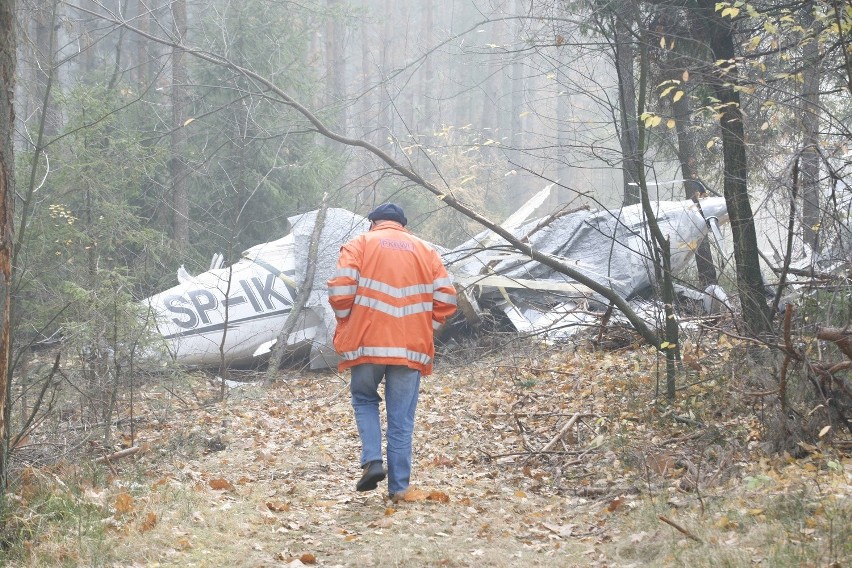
402	386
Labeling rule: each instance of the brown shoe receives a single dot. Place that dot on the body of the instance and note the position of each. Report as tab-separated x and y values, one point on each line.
373	473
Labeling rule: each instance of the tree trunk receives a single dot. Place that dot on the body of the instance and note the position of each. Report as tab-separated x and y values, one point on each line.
386	111
624	56
43	73
429	124
516	130
7	192
810	117
335	66
177	164
142	59
686	155
566	133
755	311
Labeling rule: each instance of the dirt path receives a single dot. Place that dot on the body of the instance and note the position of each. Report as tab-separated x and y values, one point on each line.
276	487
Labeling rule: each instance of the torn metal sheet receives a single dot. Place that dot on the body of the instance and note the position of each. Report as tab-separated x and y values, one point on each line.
610	247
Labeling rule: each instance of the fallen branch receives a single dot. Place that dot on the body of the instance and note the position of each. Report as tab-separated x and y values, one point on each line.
680	528
840	337
302	296
562	432
117	455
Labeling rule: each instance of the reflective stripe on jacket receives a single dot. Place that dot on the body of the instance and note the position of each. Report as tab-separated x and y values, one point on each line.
390	292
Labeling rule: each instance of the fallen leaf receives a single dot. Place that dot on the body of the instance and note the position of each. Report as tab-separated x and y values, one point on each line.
615	504
560	530
278	507
382	523
184	544
308	558
443	461
124	503
415	495
220	483
438	496
149	523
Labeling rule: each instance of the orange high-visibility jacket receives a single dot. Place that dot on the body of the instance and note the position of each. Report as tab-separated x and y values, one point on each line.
390	292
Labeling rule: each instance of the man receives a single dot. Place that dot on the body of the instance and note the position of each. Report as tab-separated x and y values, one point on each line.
389	294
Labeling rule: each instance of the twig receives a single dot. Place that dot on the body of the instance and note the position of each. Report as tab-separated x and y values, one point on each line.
680	528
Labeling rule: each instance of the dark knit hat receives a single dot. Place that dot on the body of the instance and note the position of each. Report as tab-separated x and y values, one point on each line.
388	212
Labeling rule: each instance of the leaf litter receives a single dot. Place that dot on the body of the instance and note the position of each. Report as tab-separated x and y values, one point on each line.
537	458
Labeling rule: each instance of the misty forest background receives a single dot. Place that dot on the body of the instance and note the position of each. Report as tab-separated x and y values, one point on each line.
149	135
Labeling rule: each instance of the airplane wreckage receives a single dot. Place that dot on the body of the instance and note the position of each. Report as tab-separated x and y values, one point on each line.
235	313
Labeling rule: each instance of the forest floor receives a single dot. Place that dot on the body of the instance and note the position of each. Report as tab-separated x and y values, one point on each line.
552	458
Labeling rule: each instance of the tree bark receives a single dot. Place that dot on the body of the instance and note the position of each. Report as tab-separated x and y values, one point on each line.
335	66
7	203
429	124
810	118
177	164
746	254
43	73
516	125
629	138
686	155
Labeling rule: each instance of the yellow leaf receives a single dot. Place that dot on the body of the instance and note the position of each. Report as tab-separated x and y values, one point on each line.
664	345
656	120
678	95
764	126
710	143
685	76
670	123
667	90
663	42
824	431
187	121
